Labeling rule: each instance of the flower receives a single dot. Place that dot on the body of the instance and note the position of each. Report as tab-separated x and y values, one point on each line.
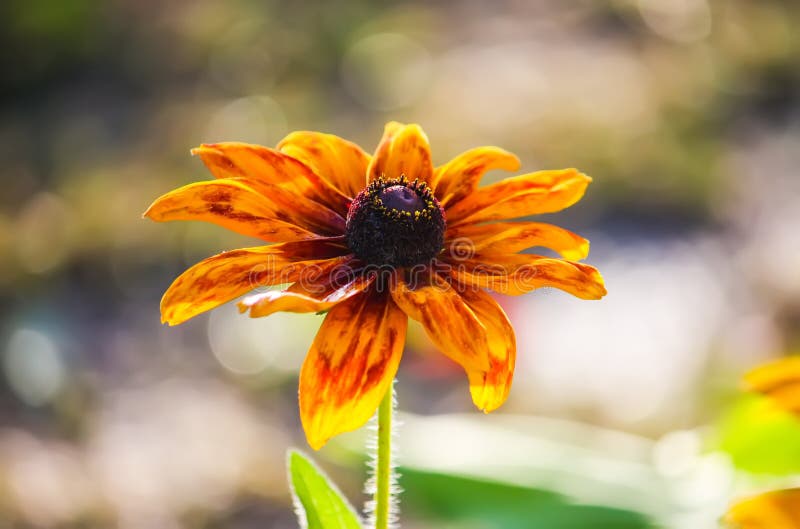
778	509
779	381
373	240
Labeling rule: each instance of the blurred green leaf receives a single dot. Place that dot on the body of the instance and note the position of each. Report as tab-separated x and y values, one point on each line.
322	503
760	437
498	505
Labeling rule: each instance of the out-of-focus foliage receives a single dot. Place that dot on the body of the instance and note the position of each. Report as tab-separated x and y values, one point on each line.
761	437
441	497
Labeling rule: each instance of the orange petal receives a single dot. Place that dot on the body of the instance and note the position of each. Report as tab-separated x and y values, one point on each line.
268	212
338	161
459	177
310	296
403	150
449	322
779	509
490	388
350	365
520	196
521	273
513	237
254	162
778	380
228	275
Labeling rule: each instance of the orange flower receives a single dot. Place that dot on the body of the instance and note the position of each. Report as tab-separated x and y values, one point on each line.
778	509
374	240
779	381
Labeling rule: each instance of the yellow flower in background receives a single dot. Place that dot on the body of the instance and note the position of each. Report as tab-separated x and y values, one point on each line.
374	240
774	510
778	380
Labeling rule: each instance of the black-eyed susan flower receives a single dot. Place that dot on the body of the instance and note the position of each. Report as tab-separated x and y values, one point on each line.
373	240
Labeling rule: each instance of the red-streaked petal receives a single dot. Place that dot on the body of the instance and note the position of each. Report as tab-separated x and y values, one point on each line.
268	212
350	365
459	177
490	388
310	296
340	162
403	150
228	275
513	237
521	273
449	322
520	196
255	162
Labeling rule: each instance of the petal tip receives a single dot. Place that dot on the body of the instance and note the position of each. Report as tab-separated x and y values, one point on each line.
316	444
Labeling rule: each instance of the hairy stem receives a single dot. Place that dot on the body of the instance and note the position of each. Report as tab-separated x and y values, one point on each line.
383	469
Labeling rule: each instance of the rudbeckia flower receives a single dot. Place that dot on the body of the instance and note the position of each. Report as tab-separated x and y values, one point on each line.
372	241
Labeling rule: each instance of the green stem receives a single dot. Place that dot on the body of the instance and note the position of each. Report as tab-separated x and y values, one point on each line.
383	471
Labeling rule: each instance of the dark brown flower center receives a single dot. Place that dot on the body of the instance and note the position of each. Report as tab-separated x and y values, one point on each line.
395	223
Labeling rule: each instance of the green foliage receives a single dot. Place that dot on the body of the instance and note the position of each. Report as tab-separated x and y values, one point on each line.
760	437
501	506
320	504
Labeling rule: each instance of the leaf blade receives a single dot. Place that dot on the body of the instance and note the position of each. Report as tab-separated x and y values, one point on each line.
319	503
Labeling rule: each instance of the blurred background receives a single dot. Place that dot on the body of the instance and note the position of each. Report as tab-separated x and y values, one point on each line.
625	413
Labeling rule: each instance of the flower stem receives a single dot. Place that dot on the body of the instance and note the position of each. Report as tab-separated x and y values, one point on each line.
383	471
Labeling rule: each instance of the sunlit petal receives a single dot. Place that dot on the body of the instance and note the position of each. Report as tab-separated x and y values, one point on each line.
339	161
318	291
350	365
244	160
520	196
521	273
404	150
228	275
490	388
513	237
460	177
449	322
268	212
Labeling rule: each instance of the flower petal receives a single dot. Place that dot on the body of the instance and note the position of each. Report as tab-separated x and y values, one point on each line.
339	283
513	237
340	162
228	275
403	150
254	162
778	509
490	388
459	177
350	365
778	380
258	210
521	273
449	322
520	196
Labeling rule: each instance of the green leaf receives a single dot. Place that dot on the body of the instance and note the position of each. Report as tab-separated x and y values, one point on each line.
319	503
493	505
760	437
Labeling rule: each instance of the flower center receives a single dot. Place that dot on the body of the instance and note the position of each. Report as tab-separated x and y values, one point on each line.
395	223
